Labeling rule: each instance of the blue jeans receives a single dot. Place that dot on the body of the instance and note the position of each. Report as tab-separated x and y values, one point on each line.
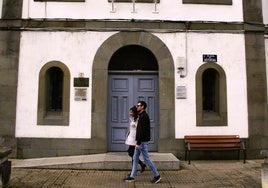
144	151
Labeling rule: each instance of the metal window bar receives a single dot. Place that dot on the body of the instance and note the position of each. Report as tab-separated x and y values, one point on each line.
134	6
155	6
113	8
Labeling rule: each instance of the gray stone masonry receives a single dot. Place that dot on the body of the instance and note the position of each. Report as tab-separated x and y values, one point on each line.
264	169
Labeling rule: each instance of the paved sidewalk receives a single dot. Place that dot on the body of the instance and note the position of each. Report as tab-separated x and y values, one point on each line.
200	174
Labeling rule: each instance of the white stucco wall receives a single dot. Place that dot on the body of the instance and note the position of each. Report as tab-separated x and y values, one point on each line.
101	9
266	55
265	21
265	11
77	50
1	7
229	49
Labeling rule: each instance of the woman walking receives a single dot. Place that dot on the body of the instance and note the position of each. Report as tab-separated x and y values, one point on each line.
131	138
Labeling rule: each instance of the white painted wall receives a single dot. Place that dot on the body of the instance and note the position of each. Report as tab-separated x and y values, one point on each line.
231	57
1	7
265	11
101	9
265	21
77	51
266	55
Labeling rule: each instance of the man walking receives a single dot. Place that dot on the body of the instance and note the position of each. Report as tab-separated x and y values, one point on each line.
142	138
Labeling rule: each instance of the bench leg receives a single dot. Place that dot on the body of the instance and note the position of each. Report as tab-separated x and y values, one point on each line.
245	156
189	158
185	157
5	172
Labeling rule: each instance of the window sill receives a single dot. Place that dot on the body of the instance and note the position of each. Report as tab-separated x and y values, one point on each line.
54	118
211	115
212	123
212	119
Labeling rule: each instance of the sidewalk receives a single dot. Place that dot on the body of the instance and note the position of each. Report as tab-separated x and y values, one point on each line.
200	174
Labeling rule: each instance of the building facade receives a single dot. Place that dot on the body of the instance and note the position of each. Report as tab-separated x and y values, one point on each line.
71	69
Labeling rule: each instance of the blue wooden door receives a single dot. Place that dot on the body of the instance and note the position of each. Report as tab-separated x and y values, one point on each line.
124	92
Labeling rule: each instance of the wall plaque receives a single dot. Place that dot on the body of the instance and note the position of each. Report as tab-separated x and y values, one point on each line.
80	94
81	82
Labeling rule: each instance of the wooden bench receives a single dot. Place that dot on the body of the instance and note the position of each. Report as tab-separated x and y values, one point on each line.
5	165
213	142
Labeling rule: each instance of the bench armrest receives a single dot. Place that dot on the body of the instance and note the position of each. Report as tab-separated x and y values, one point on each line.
5	151
188	146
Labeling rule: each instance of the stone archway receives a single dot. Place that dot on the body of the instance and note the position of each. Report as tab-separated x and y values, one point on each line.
166	141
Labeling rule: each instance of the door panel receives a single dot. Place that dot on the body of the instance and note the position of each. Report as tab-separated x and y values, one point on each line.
118	111
124	92
147	91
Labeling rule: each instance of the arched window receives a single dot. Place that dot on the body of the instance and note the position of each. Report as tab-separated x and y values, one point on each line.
211	96
210	84
54	77
53	94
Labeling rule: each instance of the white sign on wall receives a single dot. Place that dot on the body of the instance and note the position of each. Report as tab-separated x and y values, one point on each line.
80	94
181	92
210	58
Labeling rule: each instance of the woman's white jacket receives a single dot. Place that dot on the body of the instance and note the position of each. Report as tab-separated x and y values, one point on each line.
131	136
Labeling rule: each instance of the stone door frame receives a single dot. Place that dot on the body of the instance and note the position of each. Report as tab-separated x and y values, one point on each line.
166	132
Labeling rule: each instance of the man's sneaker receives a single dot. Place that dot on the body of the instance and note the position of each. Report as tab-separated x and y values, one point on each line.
156	179
129	179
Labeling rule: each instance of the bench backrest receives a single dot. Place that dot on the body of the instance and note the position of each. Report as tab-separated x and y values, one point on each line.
212	142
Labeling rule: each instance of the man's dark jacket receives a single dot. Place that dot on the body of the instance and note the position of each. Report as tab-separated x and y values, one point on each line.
143	128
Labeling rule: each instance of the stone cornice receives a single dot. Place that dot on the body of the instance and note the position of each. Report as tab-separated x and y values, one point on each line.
130	25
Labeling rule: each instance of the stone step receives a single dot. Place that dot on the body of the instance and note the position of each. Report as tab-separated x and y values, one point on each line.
105	161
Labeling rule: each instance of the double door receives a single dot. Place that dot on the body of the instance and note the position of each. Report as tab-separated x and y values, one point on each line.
124	92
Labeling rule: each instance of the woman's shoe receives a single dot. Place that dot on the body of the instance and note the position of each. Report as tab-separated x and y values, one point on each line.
143	166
